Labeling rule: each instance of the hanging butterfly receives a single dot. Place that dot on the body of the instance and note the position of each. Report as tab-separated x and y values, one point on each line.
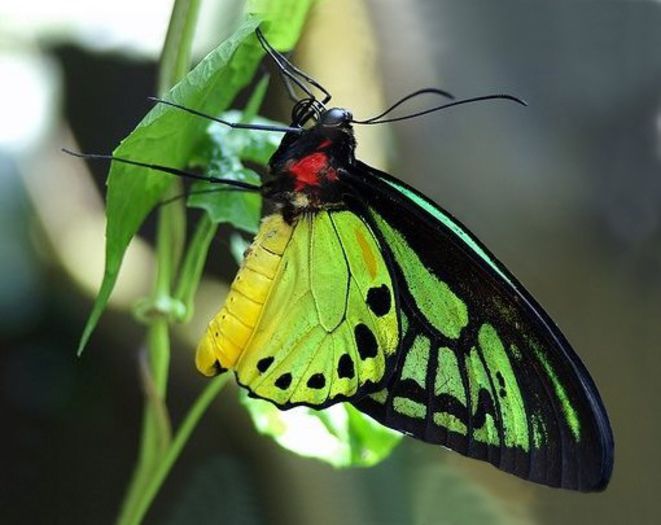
358	288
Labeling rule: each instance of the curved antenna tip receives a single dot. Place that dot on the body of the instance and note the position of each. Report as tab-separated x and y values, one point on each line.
515	99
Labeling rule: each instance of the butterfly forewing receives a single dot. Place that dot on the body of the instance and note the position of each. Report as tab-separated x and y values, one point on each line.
482	369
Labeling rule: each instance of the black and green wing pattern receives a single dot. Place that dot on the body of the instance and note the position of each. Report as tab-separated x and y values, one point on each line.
481	368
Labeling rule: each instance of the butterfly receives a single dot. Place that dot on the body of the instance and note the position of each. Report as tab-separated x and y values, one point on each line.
358	288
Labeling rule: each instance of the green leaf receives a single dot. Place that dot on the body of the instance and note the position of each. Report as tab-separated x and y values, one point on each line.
221	153
339	435
371	442
283	20
247	145
167	136
255	102
226	204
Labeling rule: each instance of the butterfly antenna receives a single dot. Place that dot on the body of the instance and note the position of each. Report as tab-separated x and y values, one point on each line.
295	70
245	186
291	71
315	83
233	125
280	62
198	192
378	120
299	117
289	87
419	92
304	108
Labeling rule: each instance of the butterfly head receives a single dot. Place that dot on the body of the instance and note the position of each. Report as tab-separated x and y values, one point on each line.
335	118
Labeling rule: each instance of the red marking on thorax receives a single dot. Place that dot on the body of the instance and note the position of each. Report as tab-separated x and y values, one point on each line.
308	170
324	144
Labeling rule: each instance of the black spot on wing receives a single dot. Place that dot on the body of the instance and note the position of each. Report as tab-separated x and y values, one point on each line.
485	405
264	364
317	381
365	341
378	300
283	381
345	367
218	368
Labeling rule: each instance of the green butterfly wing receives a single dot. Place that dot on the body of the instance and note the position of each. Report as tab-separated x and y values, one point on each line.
311	317
482	369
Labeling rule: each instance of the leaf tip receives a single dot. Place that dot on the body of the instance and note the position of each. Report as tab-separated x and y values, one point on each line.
81	345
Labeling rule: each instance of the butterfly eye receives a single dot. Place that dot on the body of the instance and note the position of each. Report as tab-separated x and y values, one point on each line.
335	117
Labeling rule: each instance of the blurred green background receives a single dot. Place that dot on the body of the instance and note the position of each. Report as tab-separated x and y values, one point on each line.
567	193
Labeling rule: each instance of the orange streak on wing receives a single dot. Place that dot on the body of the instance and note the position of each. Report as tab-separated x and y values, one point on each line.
368	254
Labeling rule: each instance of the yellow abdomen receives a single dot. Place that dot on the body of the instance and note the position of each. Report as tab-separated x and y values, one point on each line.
230	330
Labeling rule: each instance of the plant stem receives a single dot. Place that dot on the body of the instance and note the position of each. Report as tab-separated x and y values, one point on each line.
175	59
150	489
193	263
155	438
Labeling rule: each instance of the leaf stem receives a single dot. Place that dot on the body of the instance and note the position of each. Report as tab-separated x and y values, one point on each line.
155	481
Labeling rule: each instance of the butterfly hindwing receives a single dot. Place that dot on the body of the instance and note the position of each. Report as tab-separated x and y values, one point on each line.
327	324
482	369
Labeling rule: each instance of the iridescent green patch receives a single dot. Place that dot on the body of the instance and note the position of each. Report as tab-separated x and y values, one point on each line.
417	361
405	324
568	410
381	396
512	408
479	380
448	378
444	310
409	408
451	422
